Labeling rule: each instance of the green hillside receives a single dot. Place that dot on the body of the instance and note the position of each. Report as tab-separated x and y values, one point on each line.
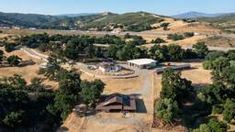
138	21
26	20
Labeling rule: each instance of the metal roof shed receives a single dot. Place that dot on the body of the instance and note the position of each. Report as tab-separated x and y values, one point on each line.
142	63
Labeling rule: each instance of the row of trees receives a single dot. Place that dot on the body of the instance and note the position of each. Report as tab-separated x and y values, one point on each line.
161	53
81	47
134	39
126	52
176	53
177	37
35	40
174	90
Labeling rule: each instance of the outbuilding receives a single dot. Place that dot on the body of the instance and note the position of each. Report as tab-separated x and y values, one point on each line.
142	63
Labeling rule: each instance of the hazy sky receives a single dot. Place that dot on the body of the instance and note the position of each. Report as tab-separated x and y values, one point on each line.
164	7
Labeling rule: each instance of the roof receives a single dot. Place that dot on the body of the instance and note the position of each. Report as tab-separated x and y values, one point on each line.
116	99
118	102
142	61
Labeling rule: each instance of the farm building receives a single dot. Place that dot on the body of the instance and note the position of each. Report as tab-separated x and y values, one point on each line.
176	67
109	67
142	63
117	103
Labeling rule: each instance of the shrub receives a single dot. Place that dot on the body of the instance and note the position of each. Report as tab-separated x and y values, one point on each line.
214	55
9	47
200	49
13	119
14	60
208	65
158	41
165	25
229	110
212	126
231	55
188	34
167	110
217	109
175	37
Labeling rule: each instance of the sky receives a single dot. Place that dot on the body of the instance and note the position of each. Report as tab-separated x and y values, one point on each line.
162	7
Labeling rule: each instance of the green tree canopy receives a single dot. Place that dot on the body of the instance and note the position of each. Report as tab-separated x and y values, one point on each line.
200	49
14	60
167	110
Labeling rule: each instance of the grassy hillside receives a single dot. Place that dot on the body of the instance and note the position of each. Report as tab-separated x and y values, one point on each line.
130	21
138	21
225	22
26	20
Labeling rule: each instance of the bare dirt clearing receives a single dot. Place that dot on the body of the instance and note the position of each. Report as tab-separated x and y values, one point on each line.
117	85
27	72
115	122
198	75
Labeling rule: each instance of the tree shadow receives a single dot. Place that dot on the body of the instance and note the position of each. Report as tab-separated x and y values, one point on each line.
194	112
63	129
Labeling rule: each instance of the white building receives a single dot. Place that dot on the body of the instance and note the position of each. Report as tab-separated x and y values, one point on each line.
142	63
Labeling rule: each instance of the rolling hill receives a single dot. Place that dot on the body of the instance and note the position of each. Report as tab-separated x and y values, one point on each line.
225	22
26	20
136	21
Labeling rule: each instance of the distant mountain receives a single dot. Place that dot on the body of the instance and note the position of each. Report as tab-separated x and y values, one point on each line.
26	20
77	15
135	21
193	15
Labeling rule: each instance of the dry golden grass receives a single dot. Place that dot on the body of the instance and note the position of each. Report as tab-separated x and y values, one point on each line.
27	72
3	35
73	123
219	41
114	122
197	75
202	28
157	86
188	41
117	85
179	26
